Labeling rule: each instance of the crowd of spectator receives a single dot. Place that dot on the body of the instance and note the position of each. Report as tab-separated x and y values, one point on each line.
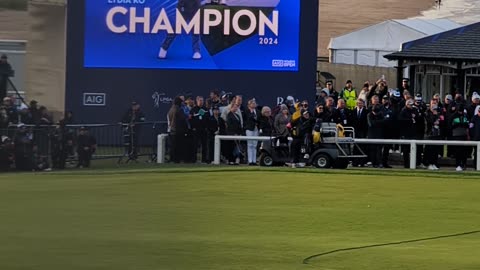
30	140
376	112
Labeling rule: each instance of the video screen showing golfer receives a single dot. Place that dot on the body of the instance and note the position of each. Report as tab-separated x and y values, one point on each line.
188	9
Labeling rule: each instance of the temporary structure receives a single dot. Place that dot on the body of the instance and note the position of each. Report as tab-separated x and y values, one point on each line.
367	46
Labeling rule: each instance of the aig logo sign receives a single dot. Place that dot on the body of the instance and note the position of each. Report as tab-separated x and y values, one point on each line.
94	99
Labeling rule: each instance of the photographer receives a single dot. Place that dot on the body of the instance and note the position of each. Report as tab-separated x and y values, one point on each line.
6	154
86	146
132	126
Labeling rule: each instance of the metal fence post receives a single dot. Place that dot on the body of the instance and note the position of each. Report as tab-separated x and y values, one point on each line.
216	157
161	148
413	155
478	157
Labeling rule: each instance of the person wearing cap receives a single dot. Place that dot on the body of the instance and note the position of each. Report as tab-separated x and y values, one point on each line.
301	130
331	91
459	126
215	126
24	149
321	96
376	128
407	122
86	146
6	154
420	125
475	131
280	124
349	94
11	110
473	106
434	123
5	72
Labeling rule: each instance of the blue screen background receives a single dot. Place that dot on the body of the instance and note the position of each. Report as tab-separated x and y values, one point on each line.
104	49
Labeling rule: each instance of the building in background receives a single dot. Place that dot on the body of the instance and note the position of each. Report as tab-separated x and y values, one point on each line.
444	63
369	45
46	54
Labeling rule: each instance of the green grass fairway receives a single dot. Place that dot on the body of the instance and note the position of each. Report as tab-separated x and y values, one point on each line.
219	218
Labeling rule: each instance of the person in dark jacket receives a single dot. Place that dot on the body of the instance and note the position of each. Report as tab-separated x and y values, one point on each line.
420	124
342	114
475	130
234	128
301	133
459	125
86	146
178	128
24	149
434	122
380	89
376	128
215	126
61	142
407	120
199	116
265	122
322	113
389	128
132	120
359	122
473	106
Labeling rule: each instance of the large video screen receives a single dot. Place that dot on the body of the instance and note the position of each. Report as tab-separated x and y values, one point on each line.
193	34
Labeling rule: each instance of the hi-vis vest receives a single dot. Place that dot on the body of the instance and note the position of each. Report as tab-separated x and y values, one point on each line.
350	98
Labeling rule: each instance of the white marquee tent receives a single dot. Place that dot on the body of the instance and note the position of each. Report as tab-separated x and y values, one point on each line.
367	46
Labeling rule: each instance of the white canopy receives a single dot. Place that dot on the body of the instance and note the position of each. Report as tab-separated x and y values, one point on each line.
367	46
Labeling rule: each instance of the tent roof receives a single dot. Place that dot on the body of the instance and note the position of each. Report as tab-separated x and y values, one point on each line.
459	44
389	35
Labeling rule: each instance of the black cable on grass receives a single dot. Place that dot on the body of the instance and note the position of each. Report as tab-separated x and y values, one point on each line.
306	260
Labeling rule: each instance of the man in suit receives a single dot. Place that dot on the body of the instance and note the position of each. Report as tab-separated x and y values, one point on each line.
358	119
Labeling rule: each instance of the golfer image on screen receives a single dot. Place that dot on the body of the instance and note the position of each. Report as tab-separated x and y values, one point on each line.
188	8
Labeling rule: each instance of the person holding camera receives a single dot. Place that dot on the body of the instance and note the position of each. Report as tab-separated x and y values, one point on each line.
376	126
435	120
407	120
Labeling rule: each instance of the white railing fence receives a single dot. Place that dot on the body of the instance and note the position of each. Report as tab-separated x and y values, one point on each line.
413	146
